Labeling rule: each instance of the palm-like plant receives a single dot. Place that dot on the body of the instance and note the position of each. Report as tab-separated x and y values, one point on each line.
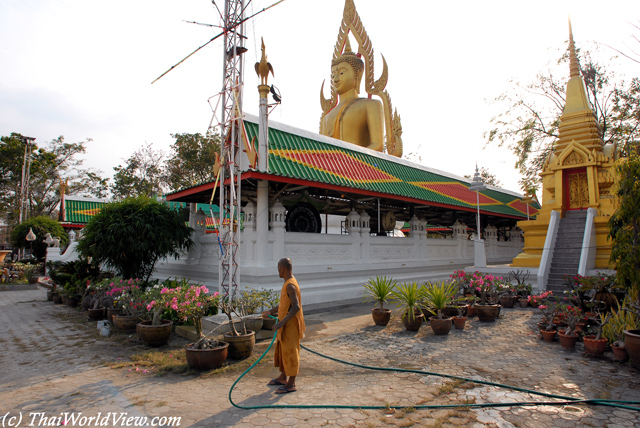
379	290
409	295
438	296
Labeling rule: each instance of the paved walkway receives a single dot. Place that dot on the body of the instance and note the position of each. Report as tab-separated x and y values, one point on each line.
50	364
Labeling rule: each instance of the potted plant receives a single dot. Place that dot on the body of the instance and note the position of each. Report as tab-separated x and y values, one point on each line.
192	302
486	286
437	296
549	311
241	343
569	336
379	290
128	299
621	320
595	345
158	298
409	295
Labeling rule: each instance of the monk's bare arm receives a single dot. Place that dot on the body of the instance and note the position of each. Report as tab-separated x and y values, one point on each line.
293	310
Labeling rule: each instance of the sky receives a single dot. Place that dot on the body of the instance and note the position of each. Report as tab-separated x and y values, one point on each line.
83	69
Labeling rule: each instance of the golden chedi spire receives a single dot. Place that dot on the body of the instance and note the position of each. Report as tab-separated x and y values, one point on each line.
578	121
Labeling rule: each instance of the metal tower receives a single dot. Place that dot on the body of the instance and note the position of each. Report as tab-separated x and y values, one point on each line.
230	202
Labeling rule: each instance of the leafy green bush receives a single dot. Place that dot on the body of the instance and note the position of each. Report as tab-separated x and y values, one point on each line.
132	235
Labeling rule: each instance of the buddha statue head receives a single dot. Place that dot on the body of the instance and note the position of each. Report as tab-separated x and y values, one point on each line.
346	72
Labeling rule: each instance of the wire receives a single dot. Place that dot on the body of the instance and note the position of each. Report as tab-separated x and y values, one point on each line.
216	37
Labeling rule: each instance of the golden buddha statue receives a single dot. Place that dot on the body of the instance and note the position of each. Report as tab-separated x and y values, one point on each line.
355	120
348	117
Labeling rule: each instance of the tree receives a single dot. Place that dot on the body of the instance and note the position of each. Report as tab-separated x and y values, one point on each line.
49	167
531	118
141	176
625	223
41	226
132	235
487	177
191	160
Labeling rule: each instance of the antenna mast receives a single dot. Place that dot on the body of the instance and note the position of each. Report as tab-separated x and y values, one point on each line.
230	201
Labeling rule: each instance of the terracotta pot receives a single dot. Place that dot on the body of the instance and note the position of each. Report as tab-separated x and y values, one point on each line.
57	298
632	345
240	347
568	341
154	335
508	301
534	304
64	300
207	359
620	354
449	312
523	303
253	322
96	314
458	322
86	302
487	312
125	323
50	295
111	312
412	325
268	323
72	302
594	347
471	311
440	326
548	336
381	316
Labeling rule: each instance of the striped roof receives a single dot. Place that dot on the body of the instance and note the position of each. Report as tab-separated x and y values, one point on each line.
299	154
79	210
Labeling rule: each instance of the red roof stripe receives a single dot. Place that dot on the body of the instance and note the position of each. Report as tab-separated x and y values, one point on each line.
459	192
522	207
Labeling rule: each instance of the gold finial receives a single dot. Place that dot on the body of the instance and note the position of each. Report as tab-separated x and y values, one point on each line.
263	67
574	66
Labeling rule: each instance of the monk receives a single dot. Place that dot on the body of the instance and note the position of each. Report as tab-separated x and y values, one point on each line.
290	329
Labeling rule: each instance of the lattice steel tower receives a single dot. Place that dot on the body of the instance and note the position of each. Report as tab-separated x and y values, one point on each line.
230	201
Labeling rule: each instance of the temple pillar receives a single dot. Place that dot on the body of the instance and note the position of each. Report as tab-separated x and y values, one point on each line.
353	221
277	224
365	235
262	223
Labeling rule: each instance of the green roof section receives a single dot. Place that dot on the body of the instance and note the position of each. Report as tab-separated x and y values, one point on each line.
303	155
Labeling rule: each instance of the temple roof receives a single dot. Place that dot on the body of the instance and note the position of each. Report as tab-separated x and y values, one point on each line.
298	154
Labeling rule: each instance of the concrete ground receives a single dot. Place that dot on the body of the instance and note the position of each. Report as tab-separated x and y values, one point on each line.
53	361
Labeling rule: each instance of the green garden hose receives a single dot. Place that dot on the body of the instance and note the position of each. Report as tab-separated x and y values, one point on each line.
562	399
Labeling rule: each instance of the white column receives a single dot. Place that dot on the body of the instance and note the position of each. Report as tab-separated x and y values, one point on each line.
277	225
262	223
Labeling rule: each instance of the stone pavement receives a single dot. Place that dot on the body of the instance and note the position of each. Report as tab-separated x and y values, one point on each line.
50	364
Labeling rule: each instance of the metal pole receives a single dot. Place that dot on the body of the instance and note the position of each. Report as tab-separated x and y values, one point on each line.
478	220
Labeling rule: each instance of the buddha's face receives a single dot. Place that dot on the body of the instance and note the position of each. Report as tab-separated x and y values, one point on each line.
343	78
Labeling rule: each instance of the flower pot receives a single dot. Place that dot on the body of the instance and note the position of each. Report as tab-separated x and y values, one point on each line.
253	322
632	345
458	322
548	336
96	314
523	303
620	354
207	359
111	312
241	346
440	326
268	323
594	347
154	335
487	312
49	295
534	304
508	301
449	312
125	323
72	302
64	299
413	325
57	298
568	341
381	316
471	311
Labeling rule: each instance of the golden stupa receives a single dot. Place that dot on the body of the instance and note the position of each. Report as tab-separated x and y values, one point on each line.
579	174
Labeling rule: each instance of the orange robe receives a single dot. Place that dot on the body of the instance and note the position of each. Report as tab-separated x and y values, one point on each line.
287	353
